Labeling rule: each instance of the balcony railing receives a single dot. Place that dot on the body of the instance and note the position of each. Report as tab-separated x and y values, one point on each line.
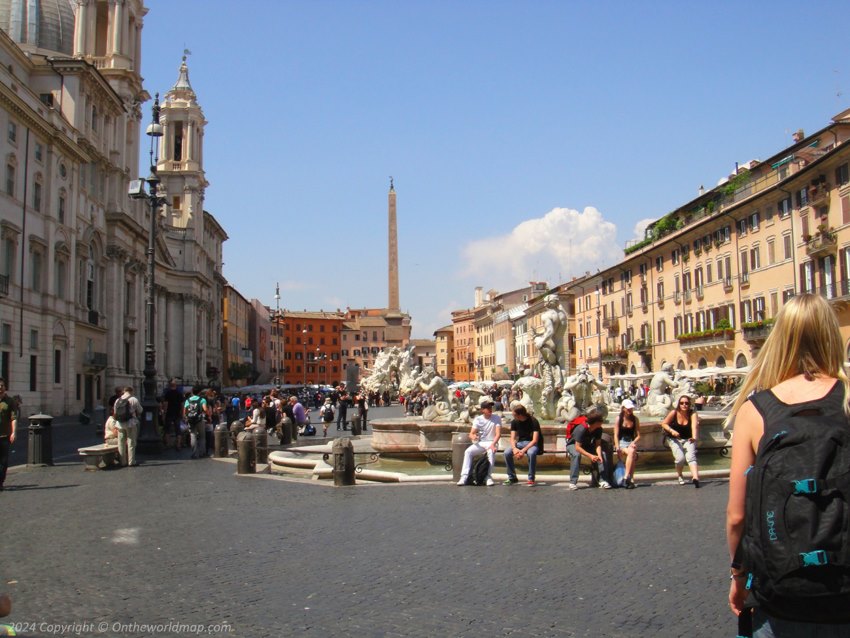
706	339
700	292
727	284
4	285
614	356
757	331
95	360
640	345
611	324
745	279
821	244
688	296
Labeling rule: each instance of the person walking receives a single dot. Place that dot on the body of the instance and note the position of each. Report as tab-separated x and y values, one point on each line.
127	412
8	425
196	411
793	410
342	411
326	414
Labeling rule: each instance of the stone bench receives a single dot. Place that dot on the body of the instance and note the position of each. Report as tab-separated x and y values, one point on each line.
98	457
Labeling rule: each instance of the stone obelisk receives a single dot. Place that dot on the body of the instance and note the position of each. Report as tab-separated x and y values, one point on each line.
392	244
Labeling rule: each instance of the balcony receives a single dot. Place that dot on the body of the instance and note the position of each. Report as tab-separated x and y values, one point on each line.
94	360
641	346
819	195
700	292
611	324
727	284
756	331
677	297
822	244
688	296
615	356
661	302
745	279
4	285
715	338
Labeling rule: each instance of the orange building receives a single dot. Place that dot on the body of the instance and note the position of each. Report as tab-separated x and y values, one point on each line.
312	347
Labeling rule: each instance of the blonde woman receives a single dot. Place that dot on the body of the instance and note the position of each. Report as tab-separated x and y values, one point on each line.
800	364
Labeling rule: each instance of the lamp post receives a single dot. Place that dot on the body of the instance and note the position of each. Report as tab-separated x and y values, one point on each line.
599	331
149	439
304	341
279	349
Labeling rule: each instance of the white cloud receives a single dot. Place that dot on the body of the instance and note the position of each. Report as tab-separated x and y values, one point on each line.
640	228
563	243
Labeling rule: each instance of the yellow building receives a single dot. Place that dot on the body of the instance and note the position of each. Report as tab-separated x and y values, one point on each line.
703	286
445	343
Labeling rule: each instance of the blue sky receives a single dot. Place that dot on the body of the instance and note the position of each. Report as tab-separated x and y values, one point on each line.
528	140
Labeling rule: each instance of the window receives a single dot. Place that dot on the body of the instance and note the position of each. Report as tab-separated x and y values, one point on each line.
755	218
771	252
36	194
93	118
33	339
802	197
784	207
37	270
661	332
57	366
13	132
755	258
60	215
786	246
745	262
842	174
741	225
39	152
659	263
178	141
674	257
33	373
10	179
61	283
720	269
659	289
5	337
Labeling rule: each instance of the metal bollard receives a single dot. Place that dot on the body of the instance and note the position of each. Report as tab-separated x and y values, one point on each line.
343	453
286	431
355	425
460	441
40	443
261	438
236	428
221	435
246	453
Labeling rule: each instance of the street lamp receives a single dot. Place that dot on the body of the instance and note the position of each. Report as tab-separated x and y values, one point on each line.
304	362
149	439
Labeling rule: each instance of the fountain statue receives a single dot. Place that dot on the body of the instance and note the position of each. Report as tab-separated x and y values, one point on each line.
585	392
658	401
532	393
550	348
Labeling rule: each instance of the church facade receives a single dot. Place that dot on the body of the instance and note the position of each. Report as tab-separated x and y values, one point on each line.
72	243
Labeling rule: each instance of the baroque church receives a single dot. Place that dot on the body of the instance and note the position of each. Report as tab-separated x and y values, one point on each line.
73	244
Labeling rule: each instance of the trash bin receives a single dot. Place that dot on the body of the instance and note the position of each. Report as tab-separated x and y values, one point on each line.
40	444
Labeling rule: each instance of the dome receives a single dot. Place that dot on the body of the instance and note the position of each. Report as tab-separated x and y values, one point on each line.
42	24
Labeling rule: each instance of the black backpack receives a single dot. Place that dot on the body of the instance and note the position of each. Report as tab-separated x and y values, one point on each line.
123	412
194	412
480	471
796	544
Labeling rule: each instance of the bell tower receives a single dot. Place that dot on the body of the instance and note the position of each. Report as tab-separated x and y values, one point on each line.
181	164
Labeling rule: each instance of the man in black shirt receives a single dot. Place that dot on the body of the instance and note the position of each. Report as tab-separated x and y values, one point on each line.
173	399
586	440
525	442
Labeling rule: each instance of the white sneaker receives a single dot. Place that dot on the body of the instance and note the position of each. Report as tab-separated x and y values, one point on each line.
462	481
490	482
605	485
572	486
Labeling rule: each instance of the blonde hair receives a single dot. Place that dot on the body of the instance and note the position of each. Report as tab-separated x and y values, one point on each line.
805	340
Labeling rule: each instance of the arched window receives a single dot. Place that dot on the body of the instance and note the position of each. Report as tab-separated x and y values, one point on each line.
721	362
702	363
680	365
741	361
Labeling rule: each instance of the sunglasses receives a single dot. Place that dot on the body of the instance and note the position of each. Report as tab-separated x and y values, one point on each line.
684	402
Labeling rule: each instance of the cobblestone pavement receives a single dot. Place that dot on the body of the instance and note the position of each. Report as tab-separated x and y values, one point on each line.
189	545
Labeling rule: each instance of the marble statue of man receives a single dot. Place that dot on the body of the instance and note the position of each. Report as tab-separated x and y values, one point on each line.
658	402
550	344
581	386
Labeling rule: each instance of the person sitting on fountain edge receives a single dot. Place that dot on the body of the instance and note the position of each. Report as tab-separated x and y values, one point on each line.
586	440
525	441
484	434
